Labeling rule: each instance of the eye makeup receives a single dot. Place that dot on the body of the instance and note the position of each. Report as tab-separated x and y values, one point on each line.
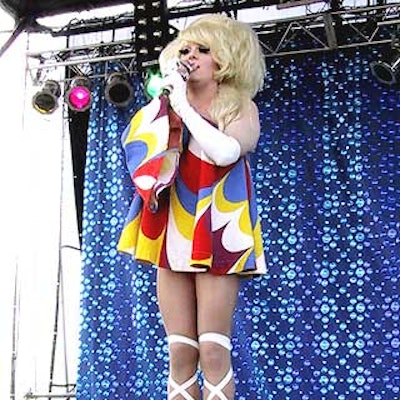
204	50
186	50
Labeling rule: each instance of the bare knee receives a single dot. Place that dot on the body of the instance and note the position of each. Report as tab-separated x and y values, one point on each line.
214	359
183	360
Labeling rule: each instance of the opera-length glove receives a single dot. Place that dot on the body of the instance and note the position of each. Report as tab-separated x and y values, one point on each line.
222	149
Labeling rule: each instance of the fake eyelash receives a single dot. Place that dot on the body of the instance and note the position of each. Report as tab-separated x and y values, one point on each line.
186	51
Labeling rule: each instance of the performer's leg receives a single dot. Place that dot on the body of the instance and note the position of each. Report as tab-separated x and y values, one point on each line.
216	301
177	303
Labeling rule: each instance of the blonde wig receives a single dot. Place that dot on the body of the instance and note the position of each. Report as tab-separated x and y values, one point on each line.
235	48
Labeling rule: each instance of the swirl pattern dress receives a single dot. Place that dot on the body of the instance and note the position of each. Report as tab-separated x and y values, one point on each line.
187	214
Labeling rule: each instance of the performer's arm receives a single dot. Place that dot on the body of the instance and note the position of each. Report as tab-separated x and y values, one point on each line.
223	148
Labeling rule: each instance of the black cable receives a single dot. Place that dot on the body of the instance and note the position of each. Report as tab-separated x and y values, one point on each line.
14	34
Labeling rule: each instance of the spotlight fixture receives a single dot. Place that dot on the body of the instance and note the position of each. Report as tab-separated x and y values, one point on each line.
79	96
152	30
118	91
46	100
387	70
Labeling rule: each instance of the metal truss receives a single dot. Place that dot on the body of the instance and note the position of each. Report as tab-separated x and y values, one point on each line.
67	396
330	30
367	26
81	60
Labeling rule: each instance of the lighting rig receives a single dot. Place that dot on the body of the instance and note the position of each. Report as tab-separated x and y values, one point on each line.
387	69
151	25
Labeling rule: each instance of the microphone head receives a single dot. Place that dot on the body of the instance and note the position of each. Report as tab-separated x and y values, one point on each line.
184	70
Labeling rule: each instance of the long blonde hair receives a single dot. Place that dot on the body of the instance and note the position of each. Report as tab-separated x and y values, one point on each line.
235	48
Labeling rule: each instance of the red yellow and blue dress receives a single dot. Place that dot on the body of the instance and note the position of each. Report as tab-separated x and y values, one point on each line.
187	214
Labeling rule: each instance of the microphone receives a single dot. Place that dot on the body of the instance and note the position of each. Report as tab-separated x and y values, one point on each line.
184	70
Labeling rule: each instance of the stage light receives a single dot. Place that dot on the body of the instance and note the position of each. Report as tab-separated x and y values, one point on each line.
118	90
46	100
152	31
153	82
387	70
79	96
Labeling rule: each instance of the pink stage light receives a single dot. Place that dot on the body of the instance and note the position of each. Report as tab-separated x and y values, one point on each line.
79	96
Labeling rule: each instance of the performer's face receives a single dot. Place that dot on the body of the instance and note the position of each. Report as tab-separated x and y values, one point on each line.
200	60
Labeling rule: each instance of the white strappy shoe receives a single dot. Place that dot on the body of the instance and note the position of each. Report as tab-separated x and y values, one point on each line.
181	389
224	341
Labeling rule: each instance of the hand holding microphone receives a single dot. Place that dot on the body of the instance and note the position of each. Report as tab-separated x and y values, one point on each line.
174	72
175	83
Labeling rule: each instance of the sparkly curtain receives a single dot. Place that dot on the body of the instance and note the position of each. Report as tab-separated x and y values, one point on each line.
324	323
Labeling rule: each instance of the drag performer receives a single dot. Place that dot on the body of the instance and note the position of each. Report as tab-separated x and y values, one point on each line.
194	215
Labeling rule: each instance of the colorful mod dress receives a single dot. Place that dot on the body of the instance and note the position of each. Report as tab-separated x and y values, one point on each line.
187	214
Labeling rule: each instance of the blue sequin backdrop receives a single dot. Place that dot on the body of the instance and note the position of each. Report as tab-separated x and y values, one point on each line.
324	324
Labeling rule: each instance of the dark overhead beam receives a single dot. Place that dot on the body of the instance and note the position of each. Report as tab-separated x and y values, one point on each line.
42	8
218	6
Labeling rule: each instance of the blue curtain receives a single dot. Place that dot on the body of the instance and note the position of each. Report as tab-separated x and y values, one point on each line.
324	323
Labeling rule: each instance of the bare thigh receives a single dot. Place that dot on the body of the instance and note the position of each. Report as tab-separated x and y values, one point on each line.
176	292
216	302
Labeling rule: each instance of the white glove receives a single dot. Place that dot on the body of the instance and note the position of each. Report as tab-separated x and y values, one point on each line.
174	83
175	86
220	148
